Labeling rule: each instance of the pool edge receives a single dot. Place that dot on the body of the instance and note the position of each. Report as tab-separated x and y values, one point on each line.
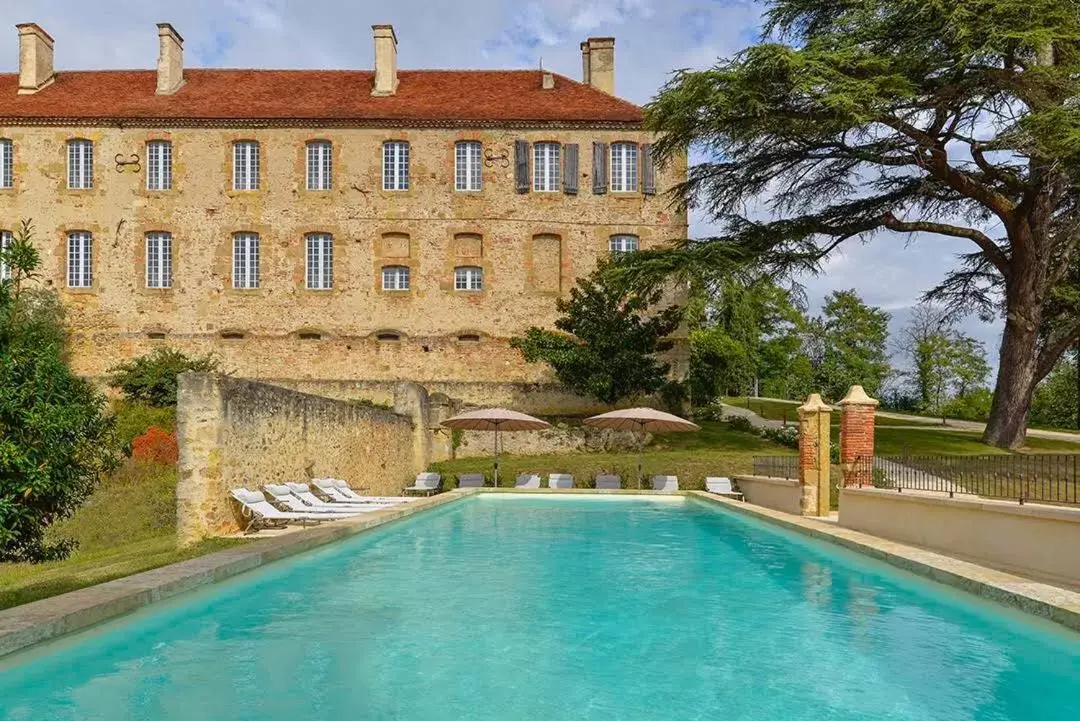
40	621
1053	603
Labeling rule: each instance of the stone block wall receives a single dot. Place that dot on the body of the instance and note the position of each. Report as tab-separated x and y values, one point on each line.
235	433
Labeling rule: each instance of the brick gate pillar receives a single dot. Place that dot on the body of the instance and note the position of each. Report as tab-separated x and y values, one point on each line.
814	456
857	437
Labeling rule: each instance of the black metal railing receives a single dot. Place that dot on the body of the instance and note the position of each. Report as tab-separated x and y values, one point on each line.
1041	478
776	466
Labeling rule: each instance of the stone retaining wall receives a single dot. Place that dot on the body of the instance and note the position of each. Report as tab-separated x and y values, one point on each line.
234	433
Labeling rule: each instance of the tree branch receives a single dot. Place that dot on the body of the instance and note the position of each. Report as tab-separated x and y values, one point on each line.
993	253
1051	352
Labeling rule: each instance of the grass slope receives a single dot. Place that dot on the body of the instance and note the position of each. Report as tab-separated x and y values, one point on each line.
127	526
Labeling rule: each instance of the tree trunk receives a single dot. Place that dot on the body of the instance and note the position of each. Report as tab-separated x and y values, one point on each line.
1016	380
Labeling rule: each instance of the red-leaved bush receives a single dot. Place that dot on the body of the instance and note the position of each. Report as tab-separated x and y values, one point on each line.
157	444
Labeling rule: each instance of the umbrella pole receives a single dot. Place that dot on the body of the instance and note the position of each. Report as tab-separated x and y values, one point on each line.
496	455
640	452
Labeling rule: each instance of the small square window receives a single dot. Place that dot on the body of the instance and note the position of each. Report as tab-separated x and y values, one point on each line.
623	244
395	277
468	278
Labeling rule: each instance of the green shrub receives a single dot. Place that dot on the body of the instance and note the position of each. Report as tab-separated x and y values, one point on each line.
151	378
784	436
133	419
711	412
741	424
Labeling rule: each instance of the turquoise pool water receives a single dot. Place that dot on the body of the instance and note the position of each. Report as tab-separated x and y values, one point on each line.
560	608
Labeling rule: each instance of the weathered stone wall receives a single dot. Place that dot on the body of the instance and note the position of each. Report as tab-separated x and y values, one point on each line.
560	438
531	246
235	433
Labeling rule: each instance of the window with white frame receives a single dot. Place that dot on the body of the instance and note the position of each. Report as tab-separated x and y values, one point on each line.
245	165
624	167
320	261
159	165
395	277
467	165
7	164
5	243
547	168
80	259
468	278
624	243
320	165
245	267
395	165
80	164
158	260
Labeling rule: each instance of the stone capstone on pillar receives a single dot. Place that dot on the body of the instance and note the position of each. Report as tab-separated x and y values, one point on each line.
814	462
857	437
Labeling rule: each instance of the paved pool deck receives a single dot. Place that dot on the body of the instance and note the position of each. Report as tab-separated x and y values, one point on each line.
40	621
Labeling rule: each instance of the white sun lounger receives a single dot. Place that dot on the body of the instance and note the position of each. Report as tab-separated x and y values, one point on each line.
470	480
349	494
721	486
303	492
665	483
608	482
262	514
560	480
425	483
284	496
527	480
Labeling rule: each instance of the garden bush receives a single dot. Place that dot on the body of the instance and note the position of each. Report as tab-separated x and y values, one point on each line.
151	378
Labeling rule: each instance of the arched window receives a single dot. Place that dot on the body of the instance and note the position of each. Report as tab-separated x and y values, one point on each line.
624	167
624	243
468	277
395	277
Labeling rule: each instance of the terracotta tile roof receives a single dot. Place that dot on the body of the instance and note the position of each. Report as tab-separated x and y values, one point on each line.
306	97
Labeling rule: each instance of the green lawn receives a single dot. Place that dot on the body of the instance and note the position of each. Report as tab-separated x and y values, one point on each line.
127	526
714	451
936	441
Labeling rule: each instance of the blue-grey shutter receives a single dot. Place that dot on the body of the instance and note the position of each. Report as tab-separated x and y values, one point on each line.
648	170
570	169
599	168
521	165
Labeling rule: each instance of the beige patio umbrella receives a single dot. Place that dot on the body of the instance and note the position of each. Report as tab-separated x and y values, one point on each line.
495	419
641	420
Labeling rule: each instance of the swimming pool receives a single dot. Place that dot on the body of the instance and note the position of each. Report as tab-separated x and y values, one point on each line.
526	607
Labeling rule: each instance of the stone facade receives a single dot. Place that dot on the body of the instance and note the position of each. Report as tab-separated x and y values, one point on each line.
531	246
814	461
236	433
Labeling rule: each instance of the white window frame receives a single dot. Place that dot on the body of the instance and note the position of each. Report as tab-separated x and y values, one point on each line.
7	163
247	162
396	277
319	261
6	239
395	165
624	167
159	247
547	167
245	268
468	178
80	259
80	157
320	165
624	243
469	278
159	165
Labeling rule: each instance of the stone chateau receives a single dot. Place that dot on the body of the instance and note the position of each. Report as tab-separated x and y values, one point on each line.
325	226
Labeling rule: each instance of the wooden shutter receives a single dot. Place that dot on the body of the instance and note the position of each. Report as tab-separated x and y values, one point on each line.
521	165
570	169
599	168
648	170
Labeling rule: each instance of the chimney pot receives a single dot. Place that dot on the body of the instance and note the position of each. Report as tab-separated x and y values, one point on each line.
386	79
547	82
598	63
170	64
35	58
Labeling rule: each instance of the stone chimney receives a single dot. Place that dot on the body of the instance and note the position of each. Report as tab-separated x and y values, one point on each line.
386	80
547	81
35	58
170	62
598	64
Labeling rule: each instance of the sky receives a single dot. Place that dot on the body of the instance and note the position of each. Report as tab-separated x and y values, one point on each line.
653	37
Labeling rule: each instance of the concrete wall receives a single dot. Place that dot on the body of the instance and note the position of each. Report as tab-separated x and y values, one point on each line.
779	494
1030	539
235	433
531	246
